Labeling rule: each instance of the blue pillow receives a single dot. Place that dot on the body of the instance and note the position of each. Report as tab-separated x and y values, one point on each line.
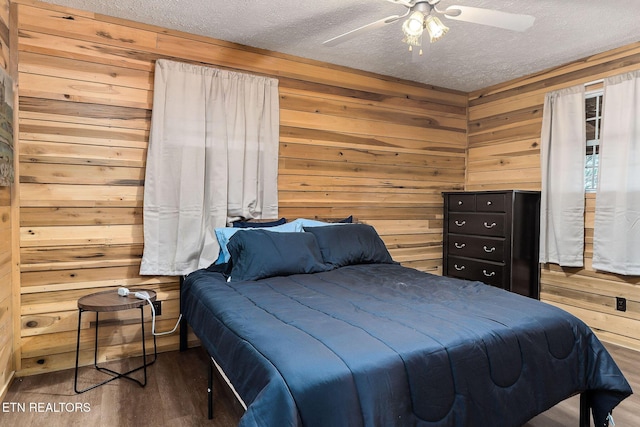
348	244
249	224
260	254
223	235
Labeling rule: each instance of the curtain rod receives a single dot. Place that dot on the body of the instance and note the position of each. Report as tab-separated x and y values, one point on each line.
594	82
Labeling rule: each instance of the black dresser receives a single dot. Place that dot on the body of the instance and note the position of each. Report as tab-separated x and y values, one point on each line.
493	237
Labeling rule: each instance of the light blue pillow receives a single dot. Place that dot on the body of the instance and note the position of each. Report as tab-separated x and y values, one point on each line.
304	222
223	235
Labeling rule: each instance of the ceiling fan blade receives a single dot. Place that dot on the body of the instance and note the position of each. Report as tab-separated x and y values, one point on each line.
493	18
354	33
407	3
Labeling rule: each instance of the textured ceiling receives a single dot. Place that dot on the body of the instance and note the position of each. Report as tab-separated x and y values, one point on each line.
468	58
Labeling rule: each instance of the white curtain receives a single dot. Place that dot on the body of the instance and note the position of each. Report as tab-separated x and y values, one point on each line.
616	240
562	154
213	155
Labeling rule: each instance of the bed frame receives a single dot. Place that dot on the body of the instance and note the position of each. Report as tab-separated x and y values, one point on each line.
184	330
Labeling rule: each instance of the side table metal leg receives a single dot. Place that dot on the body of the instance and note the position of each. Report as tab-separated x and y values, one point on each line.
75	380
95	344
144	351
144	348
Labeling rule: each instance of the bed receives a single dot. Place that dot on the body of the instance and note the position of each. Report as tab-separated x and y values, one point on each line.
323	328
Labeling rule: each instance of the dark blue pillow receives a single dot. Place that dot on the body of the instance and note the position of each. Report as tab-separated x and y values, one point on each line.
258	254
347	220
257	224
349	244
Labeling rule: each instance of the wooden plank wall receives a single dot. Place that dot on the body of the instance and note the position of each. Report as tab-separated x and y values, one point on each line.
7	366
352	143
504	138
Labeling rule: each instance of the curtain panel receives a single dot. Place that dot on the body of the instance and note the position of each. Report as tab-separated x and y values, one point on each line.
616	240
562	156
213	156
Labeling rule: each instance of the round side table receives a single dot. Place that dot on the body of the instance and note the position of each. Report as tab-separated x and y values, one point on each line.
109	301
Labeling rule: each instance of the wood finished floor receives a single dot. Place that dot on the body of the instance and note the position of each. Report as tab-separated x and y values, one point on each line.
175	395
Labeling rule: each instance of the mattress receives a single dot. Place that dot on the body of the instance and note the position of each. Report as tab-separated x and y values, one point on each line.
386	345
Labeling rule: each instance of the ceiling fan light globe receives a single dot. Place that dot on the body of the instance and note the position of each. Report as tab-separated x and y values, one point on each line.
413	40
436	28
414	26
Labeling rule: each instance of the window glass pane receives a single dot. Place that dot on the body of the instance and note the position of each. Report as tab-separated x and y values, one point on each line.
590	107
591	130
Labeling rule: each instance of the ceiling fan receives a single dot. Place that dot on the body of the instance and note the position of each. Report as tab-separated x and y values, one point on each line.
422	15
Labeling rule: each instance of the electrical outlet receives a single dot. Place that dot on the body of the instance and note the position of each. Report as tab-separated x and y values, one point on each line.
621	304
157	306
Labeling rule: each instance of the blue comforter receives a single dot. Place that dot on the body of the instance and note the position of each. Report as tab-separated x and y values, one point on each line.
385	345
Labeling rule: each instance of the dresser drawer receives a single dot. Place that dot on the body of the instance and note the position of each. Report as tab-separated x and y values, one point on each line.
462	202
482	224
485	272
491	202
491	249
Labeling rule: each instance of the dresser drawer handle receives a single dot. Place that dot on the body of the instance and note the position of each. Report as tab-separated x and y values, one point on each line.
459	268
459	202
460	245
493	224
489	203
489	250
461	223
493	273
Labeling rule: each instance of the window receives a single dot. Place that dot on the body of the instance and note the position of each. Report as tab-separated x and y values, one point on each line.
593	109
